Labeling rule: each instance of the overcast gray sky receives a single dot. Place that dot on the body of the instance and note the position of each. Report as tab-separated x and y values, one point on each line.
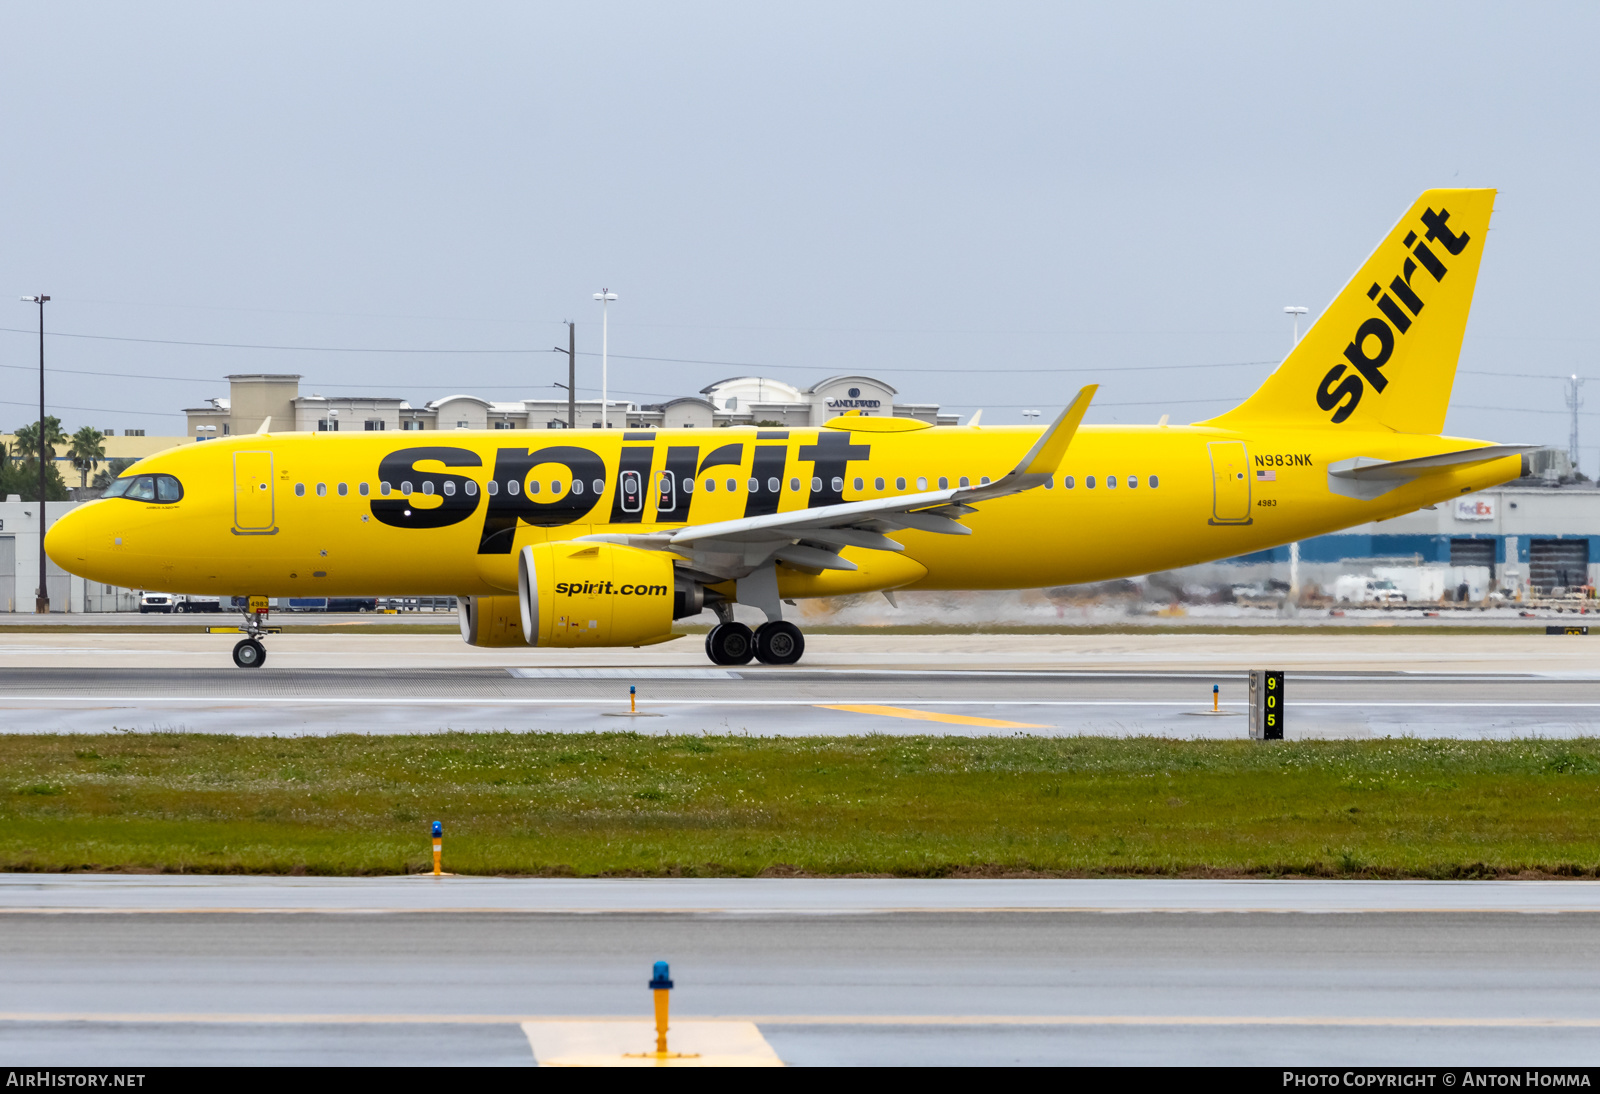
946	195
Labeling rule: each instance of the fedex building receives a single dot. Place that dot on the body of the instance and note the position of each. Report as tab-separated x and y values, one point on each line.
1535	532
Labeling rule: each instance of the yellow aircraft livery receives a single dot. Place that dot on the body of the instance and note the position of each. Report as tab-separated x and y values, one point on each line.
604	539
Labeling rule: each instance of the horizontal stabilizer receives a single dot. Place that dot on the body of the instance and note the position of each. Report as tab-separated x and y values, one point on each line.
1366	477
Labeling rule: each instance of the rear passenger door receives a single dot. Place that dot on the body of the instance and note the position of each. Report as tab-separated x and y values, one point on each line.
1230	483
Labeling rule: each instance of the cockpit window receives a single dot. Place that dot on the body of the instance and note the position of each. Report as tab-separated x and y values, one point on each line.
157	488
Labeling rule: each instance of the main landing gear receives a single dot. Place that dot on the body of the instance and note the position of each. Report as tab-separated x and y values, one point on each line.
774	643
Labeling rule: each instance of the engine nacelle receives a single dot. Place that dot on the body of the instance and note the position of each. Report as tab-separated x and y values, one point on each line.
594	594
491	620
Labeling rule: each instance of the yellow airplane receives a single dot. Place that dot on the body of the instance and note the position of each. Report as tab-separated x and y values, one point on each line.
605	539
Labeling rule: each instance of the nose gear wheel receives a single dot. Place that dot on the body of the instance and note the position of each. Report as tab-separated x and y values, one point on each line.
249	654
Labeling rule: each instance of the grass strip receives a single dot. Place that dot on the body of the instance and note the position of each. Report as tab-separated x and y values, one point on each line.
926	806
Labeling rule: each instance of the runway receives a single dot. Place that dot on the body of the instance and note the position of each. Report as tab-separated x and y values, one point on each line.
137	971
140	971
1339	686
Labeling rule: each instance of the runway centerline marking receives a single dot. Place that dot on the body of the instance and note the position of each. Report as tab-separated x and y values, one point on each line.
929	715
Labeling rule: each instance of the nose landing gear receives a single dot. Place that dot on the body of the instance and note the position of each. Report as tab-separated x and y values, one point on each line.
249	653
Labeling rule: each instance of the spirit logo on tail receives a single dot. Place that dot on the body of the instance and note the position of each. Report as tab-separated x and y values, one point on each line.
1342	400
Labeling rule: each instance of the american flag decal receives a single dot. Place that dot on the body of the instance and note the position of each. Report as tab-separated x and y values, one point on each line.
1264	475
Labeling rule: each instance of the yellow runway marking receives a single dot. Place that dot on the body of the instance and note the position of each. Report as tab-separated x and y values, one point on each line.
930	716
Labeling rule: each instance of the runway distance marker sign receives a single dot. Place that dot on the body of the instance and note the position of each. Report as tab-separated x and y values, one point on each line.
1266	705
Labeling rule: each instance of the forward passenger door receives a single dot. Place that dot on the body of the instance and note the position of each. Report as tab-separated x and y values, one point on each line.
253	509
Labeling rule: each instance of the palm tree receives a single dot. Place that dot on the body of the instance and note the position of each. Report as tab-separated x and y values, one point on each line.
27	445
86	451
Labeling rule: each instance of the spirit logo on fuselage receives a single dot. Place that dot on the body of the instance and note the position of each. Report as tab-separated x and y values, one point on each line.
414	508
1380	331
437	497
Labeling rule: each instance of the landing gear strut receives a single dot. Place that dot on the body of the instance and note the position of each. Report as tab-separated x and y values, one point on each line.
250	653
775	642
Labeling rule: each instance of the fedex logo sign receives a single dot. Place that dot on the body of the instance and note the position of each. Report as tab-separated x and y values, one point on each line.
1478	508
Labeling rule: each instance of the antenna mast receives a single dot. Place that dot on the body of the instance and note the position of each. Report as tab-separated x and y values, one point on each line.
1574	401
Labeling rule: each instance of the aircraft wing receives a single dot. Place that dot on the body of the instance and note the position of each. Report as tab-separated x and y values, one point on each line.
811	539
1366	477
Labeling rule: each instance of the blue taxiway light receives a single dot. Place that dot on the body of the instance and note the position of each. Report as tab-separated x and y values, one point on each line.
660	982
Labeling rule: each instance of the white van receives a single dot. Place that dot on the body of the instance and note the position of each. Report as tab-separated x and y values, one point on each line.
1353	588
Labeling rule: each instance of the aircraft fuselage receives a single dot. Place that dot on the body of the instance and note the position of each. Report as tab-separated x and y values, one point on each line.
387	514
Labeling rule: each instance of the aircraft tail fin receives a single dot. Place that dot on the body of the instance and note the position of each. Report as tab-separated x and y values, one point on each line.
1383	355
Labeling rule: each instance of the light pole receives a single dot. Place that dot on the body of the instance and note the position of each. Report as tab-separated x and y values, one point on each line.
605	296
572	374
1292	602
1030	415
1296	313
41	603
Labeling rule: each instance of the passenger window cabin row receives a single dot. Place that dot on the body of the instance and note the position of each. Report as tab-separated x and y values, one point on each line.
167	489
448	488
514	487
1111	482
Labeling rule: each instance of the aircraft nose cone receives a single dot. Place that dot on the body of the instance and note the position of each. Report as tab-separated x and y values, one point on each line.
67	541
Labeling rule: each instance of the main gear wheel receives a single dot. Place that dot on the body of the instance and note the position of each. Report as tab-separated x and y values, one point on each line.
779	643
730	644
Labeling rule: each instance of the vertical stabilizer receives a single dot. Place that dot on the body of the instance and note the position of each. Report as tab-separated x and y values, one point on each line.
1383	355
